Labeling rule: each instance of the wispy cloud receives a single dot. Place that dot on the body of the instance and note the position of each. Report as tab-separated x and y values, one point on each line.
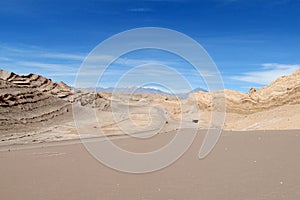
63	56
140	10
124	61
36	52
44	65
183	1
268	73
27	59
136	76
4	59
274	2
65	66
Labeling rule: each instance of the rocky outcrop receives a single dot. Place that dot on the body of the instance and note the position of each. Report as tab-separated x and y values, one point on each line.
29	102
32	100
39	83
47	86
22	107
283	91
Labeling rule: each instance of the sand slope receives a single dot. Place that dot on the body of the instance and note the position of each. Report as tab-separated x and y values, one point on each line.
243	165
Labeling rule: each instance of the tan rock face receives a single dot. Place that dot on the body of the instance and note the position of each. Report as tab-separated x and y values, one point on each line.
30	101
39	83
251	91
283	91
273	107
23	108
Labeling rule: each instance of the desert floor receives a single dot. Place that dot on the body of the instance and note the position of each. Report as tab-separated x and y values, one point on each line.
243	165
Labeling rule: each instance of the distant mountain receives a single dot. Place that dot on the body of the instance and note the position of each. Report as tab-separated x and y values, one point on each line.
198	89
135	90
144	90
185	95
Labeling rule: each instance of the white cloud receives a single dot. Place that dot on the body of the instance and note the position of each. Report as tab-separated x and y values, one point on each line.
268	73
63	56
65	66
63	74
36	52
140	10
43	65
32	59
102	60
4	58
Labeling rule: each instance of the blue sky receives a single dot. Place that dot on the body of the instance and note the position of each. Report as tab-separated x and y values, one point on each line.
251	41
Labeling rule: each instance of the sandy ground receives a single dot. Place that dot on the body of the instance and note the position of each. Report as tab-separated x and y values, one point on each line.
281	118
243	165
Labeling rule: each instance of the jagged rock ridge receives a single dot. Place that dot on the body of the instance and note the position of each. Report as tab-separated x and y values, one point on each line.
283	91
31	100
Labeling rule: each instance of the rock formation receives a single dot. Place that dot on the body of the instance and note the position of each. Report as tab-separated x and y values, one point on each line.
29	101
283	91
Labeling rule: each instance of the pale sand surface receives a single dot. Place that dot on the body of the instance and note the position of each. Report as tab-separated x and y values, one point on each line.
243	165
